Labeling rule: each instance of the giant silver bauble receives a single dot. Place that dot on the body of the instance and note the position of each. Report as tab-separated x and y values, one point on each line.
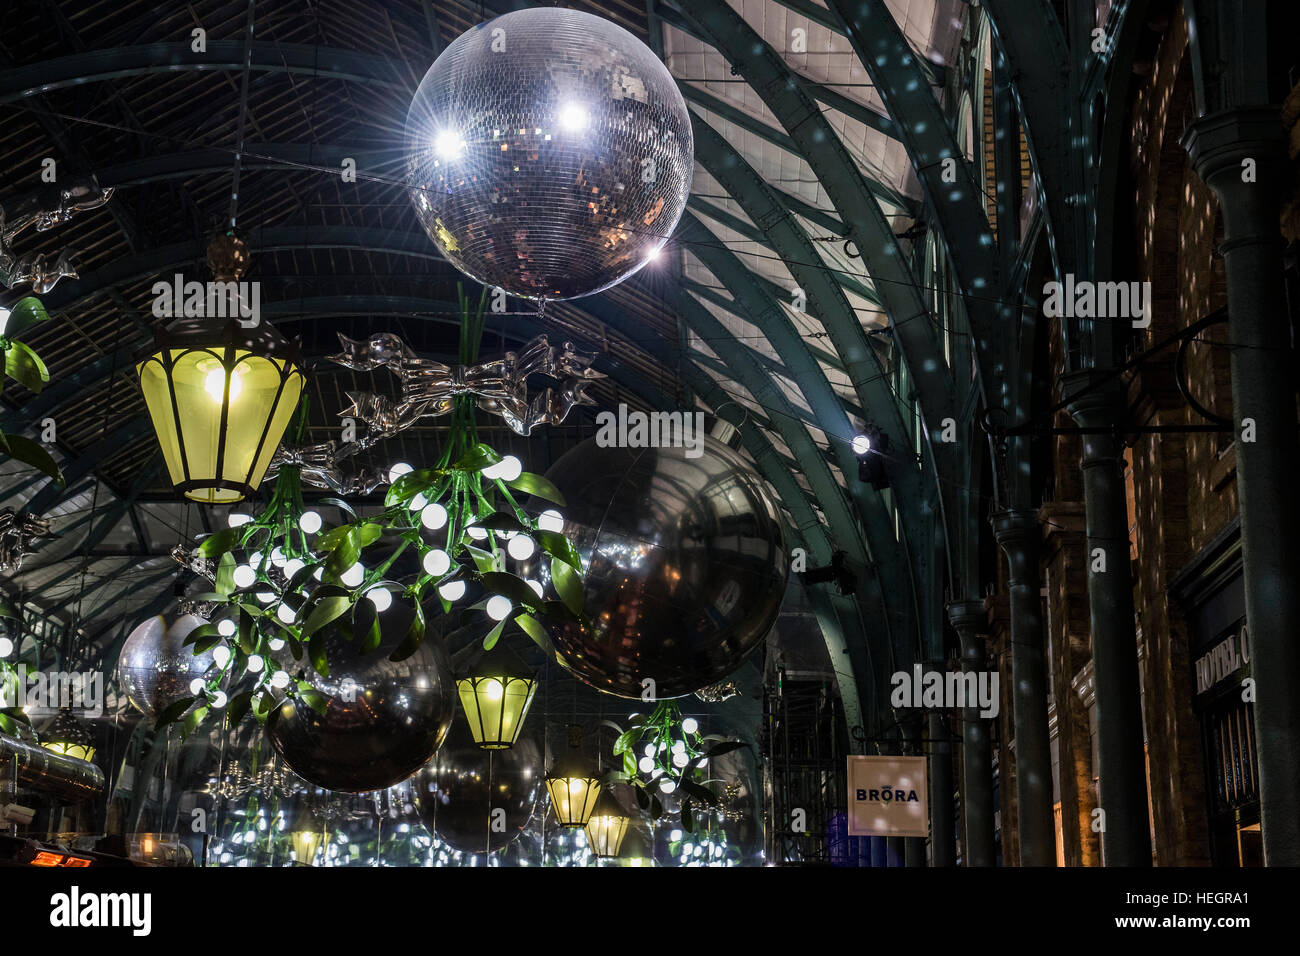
457	793
549	153
383	719
155	669
685	563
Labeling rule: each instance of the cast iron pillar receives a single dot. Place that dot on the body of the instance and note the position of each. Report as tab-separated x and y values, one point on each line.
1017	534
968	619
943	812
1097	402
1241	154
913	847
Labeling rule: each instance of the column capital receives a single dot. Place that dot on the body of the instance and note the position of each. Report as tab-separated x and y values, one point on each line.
968	616
1219	142
1095	397
1014	525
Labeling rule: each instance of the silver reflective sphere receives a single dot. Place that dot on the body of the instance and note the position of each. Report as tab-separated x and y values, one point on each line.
383	719
549	153
686	565
154	669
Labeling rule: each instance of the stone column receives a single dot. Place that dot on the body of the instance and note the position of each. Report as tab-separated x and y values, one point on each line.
1241	154
968	619
1016	531
1097	402
938	749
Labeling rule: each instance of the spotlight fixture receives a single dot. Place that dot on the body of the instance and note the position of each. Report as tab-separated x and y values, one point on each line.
871	447
846	582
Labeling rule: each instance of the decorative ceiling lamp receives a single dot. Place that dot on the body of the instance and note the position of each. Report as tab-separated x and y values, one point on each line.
305	845
69	735
496	695
573	785
220	393
635	852
607	826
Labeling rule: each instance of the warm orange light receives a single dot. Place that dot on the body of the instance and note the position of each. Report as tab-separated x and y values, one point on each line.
44	858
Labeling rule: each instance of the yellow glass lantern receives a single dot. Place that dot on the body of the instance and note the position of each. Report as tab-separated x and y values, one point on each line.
573	785
220	398
305	845
495	696
635	851
607	826
70	736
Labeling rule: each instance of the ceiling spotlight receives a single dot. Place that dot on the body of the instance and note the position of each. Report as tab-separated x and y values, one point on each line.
861	444
447	145
872	447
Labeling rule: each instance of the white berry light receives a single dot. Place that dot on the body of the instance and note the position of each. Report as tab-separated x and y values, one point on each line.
381	598
509	468
221	655
551	520
353	575
238	519
398	470
244	576
285	613
226	628
498	606
433	516
437	562
453	590
255	664
309	522
520	547
690	725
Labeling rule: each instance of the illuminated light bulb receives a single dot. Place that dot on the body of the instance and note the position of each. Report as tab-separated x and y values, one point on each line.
493	690
680	760
221	655
244	576
285	613
418	503
861	444
219	700
280	680
448	144
478	534
453	590
492	472
398	470
652	255
275	643
278	558
318	573
649	750
675	835
509	468
498	606
226	628
6	647
310	522
573	117
255	560
215	384
535	585
667	786
433	516
437	562
237	519
381	598
266	597
353	575
679	746
690	725
197	685
646	764
292	567
521	547
551	520
255	664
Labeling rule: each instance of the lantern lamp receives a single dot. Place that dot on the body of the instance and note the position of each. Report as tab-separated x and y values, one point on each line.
306	842
573	785
607	826
635	852
496	695
70	736
220	399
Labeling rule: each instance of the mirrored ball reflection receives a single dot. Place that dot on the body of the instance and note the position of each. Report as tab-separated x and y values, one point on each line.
549	153
686	565
156	668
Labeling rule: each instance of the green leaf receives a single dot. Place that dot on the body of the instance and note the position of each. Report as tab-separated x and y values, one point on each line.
238	707
370	643
482	559
367	534
477	458
558	546
510	585
493	636
409	485
326	610
531	484
31	453
346	553
174	711
533	628
688	820
313	698
218	544
200	632
27	311
411	643
316	651
25	367
703	794
717	750
225	582
332	538
500	521
568	585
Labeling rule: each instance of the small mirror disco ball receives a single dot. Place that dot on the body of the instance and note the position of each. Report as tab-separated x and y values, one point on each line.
549	153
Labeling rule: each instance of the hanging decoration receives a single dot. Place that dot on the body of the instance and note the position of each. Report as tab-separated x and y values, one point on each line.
155	668
573	784
665	753
686	564
607	826
45	210
495	695
24	366
550	153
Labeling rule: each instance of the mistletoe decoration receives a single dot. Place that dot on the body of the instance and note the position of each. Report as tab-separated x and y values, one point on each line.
280	580
665	752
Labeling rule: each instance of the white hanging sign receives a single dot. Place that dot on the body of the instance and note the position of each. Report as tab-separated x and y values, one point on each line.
887	797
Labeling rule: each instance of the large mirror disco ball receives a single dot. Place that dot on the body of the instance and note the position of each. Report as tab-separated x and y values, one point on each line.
465	789
549	153
155	668
383	719
686	565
